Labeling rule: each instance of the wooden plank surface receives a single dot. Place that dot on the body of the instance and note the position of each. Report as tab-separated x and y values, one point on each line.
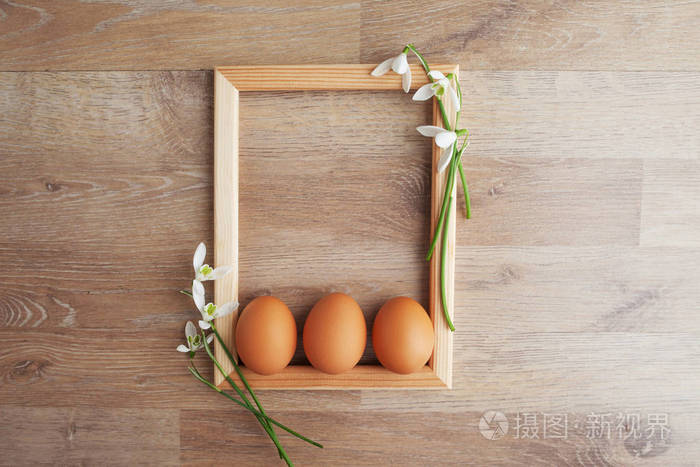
368	438
180	35
527	35
554	311
671	212
483	35
576	279
89	436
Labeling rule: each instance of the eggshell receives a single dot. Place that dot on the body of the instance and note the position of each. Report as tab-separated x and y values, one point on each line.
335	334
266	335
402	335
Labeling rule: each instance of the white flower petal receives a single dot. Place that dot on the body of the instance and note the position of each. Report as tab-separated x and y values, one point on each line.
424	92
436	75
220	272
182	348
225	309
445	159
445	138
204	324
198	294
406	80
199	255
400	64
455	99
205	315
430	131
210	338
383	67
190	330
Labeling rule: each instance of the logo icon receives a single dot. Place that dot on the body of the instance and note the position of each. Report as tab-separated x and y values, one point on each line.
493	425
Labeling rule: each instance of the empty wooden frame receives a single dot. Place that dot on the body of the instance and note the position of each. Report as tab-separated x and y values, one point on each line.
228	82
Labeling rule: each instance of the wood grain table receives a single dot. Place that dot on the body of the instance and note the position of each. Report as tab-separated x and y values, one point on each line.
578	278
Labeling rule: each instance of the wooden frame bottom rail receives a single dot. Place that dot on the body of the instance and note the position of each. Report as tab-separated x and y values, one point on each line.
360	377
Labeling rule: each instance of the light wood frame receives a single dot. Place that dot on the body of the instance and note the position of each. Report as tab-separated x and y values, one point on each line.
228	82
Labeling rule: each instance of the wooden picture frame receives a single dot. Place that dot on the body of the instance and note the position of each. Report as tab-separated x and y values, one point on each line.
228	83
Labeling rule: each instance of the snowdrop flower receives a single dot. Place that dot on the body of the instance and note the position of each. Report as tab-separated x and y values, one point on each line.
444	139
204	272
209	311
400	66
437	88
194	339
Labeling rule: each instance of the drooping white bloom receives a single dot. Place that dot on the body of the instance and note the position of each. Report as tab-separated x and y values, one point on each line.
204	272
444	139
209	311
438	88
400	66
194	339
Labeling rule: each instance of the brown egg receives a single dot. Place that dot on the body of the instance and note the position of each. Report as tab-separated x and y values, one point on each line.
266	335
335	334
402	335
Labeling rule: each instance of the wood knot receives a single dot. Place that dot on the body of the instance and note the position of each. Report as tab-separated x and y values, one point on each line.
141	380
496	190
27	370
507	275
70	433
651	445
52	187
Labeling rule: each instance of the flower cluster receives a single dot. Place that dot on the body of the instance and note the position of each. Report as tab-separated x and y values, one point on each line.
444	89
194	340
198	340
440	87
209	311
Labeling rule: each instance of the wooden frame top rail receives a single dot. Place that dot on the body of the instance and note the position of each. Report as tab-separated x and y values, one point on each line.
322	77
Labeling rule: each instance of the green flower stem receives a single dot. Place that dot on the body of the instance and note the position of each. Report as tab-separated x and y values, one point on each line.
426	67
459	95
446	124
455	165
419	56
460	165
443	268
447	201
250	390
443	251
265	424
465	188
448	127
258	415
443	208
255	412
467	203
227	377
445	121
233	361
448	191
197	375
